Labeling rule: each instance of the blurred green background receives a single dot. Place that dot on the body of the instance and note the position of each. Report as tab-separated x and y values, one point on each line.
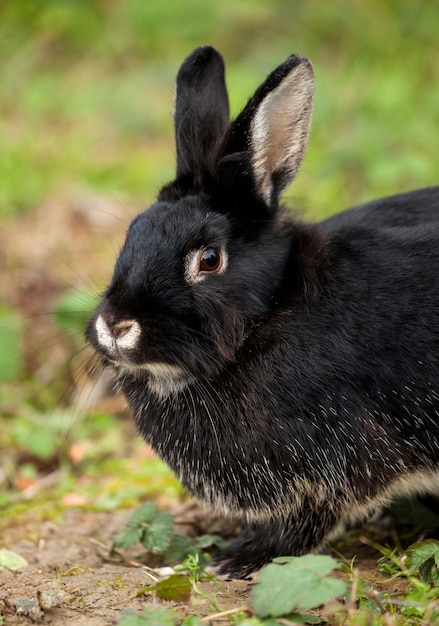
86	96
86	90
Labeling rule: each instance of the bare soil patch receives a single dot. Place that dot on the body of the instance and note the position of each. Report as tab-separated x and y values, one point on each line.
69	563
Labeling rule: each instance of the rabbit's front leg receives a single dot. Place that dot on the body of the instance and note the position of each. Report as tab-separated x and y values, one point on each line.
250	551
261	541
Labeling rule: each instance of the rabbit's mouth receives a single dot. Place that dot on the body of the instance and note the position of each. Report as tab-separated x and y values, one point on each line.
119	343
163	379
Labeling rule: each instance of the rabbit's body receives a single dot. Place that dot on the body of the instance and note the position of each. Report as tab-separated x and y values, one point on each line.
286	372
316	441
413	208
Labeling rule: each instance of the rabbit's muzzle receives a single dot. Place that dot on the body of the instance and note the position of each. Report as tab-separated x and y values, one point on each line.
117	338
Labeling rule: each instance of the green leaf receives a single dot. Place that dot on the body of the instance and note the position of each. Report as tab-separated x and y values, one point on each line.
11	560
154	530
421	552
320	563
151	616
133	530
192	620
127	536
207	541
176	588
130	618
424	556
299	582
426	571
144	591
157	536
291	618
178	549
144	514
435	571
11	331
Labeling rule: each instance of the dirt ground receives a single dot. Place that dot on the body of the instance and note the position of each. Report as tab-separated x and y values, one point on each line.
63	559
71	578
70	568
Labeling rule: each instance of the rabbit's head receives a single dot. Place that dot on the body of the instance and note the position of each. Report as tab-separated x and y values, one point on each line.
202	265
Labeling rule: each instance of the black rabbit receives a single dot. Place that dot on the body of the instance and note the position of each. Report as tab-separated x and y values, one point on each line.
287	372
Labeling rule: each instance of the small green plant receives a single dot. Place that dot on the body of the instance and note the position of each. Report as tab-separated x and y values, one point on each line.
193	565
424	557
390	562
284	587
152	528
155	531
419	566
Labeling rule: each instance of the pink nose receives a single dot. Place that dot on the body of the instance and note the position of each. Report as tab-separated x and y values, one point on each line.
120	330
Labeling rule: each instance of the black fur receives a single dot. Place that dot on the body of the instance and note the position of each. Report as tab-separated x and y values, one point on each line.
406	209
299	385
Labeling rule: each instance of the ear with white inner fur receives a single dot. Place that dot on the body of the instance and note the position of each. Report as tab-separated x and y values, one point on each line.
279	131
271	133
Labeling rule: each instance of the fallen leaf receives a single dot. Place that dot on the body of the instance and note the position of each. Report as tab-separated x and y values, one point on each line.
176	588
11	560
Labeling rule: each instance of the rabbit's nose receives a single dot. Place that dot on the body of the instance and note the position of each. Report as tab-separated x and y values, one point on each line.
117	336
120	330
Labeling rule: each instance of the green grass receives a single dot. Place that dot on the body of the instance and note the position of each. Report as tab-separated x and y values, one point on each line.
86	91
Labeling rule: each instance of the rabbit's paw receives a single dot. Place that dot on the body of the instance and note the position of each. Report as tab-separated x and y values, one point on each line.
244	557
238	566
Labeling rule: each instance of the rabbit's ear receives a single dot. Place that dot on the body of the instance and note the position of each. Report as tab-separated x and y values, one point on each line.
201	109
273	128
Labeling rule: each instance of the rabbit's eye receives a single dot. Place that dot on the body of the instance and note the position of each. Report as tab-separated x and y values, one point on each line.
210	260
201	263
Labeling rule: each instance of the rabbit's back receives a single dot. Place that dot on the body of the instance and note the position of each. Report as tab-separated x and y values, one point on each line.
412	208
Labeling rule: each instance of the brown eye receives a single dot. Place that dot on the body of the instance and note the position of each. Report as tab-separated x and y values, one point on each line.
210	260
